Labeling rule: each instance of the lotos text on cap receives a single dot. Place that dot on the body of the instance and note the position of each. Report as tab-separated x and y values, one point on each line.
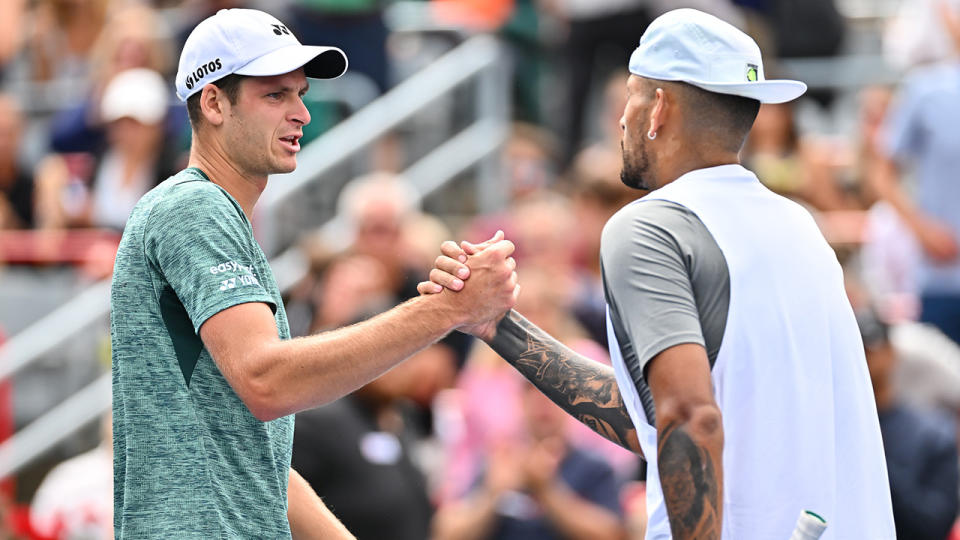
206	69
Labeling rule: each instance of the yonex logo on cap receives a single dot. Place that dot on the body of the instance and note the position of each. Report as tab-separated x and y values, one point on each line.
202	71
280	29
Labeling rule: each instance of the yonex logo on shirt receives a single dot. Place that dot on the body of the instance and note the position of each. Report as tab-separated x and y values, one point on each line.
240	281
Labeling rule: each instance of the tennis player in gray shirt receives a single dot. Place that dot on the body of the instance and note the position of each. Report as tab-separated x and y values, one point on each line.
738	371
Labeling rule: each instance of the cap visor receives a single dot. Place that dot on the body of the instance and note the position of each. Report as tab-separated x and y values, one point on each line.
317	62
769	91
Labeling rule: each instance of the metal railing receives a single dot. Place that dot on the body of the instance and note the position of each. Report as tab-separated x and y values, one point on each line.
479	59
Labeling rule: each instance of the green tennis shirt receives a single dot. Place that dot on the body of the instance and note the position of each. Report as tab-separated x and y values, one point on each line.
190	460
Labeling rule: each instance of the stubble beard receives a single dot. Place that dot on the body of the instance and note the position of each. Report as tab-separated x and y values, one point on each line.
636	167
253	158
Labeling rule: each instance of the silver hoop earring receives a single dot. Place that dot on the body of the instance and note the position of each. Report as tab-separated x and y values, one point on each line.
651	135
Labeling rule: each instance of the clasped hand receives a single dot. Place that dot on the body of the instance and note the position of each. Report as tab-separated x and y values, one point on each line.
493	288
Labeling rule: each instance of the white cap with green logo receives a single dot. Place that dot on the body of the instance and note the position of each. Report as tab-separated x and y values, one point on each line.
249	42
699	49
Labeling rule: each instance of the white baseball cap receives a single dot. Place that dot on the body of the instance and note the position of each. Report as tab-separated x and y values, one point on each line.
138	93
249	42
699	49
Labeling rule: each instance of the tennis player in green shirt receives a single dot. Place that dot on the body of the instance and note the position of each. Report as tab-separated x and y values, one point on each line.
205	376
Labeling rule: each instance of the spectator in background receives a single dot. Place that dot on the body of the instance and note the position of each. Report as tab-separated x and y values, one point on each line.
60	36
11	31
542	488
380	209
595	201
358	455
376	207
137	158
890	253
75	499
16	184
792	166
352	286
920	136
920	447
548	232
916	35
134	36
601	158
383	226
527	160
349	286
595	26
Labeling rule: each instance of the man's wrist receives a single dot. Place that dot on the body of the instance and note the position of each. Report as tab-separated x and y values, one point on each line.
448	315
507	333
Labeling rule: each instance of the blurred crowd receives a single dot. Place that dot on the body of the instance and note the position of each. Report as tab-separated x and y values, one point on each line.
453	443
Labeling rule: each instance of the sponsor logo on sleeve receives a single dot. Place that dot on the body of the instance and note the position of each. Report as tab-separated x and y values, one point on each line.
246	277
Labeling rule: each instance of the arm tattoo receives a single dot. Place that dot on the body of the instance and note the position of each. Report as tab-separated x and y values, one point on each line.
690	487
586	389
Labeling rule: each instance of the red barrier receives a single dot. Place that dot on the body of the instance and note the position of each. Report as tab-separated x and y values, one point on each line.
69	246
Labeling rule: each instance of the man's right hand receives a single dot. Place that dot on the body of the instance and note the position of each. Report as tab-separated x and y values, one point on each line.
485	299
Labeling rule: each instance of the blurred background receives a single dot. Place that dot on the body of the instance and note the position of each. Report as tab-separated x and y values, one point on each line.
458	118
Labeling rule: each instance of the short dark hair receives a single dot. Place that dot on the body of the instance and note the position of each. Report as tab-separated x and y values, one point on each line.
724	117
230	86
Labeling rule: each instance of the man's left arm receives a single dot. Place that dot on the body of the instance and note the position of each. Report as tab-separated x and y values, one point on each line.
689	441
309	517
584	388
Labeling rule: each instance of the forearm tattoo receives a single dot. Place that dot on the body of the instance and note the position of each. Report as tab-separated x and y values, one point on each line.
691	489
585	388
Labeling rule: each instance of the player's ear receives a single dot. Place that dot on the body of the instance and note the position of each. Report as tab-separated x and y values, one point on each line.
212	104
658	112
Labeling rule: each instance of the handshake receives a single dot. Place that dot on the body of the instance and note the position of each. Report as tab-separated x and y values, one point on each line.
493	288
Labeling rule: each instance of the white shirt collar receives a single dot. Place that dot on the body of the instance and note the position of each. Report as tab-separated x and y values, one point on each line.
731	171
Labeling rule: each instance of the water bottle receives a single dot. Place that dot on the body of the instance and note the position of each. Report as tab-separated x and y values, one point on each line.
809	527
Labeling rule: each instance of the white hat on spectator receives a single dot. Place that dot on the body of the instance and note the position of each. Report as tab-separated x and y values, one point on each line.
249	42
137	93
699	49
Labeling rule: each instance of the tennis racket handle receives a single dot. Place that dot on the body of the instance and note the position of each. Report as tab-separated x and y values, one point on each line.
809	527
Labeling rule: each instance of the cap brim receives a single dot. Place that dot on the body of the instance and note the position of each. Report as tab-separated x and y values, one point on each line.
768	91
317	62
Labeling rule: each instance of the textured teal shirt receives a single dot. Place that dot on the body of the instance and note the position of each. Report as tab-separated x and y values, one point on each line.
190	460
